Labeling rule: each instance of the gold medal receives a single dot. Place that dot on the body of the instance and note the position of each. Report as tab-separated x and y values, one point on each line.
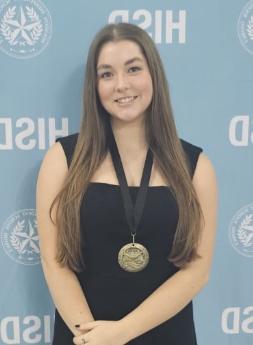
133	257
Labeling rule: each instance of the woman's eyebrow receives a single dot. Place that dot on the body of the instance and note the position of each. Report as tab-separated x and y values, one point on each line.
128	62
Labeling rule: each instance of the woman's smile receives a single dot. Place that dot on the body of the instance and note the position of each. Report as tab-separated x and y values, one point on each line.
124	101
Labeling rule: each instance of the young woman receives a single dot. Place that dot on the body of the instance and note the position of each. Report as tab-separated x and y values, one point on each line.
126	209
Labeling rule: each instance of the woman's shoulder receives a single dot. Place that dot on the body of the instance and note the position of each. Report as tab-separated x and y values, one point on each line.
68	144
191	148
68	140
192	152
200	163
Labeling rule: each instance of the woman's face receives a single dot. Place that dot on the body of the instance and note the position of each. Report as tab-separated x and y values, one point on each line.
124	83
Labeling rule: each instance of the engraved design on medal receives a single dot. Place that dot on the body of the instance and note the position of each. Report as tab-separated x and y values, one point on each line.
133	257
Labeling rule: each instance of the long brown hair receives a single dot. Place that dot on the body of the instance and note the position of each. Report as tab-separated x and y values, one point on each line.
92	146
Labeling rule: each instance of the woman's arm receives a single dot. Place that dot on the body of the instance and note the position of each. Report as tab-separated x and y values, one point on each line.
176	292
63	284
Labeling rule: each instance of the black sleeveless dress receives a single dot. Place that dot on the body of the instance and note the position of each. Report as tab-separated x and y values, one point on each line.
110	291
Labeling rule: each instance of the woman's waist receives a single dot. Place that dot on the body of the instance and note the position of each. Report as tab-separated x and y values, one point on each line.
156	270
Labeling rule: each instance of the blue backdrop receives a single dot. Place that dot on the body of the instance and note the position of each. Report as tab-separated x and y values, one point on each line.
207	50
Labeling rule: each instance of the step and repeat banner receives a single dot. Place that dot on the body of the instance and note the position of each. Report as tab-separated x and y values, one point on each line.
207	51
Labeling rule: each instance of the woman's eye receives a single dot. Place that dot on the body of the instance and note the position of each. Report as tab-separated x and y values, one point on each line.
134	69
105	75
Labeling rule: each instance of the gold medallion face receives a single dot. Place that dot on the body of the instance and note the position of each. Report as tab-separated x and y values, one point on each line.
133	257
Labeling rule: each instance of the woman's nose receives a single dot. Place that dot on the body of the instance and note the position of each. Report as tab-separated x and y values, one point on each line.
121	83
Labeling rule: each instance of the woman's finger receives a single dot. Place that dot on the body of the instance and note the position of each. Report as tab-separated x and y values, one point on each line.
80	340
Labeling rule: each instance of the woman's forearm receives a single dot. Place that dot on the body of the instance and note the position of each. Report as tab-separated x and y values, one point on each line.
166	301
67	295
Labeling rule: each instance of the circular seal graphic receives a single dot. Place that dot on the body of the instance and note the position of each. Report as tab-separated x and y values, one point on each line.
25	28
245	27
241	231
20	238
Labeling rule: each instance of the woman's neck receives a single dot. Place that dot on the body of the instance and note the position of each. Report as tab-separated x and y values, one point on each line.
130	138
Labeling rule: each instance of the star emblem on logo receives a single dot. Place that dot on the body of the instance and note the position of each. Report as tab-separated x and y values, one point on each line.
27	238
22	30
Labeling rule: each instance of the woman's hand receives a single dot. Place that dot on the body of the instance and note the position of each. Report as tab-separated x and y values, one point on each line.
101	332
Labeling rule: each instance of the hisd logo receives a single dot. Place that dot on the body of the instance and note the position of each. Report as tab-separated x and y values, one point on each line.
20	237
25	28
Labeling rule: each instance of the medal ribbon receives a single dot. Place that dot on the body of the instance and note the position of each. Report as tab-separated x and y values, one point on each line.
133	213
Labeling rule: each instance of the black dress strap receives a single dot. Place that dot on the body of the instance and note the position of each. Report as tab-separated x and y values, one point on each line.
68	144
192	153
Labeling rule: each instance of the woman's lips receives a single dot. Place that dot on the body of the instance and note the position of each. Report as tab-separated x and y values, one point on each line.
125	100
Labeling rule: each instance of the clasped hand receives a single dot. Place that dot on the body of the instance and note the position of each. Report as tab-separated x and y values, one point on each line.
101	332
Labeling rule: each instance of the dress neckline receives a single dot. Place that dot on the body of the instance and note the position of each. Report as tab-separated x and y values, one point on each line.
117	185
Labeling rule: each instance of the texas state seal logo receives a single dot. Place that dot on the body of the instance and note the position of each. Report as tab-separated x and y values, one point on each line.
241	231
25	28
245	27
19	237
